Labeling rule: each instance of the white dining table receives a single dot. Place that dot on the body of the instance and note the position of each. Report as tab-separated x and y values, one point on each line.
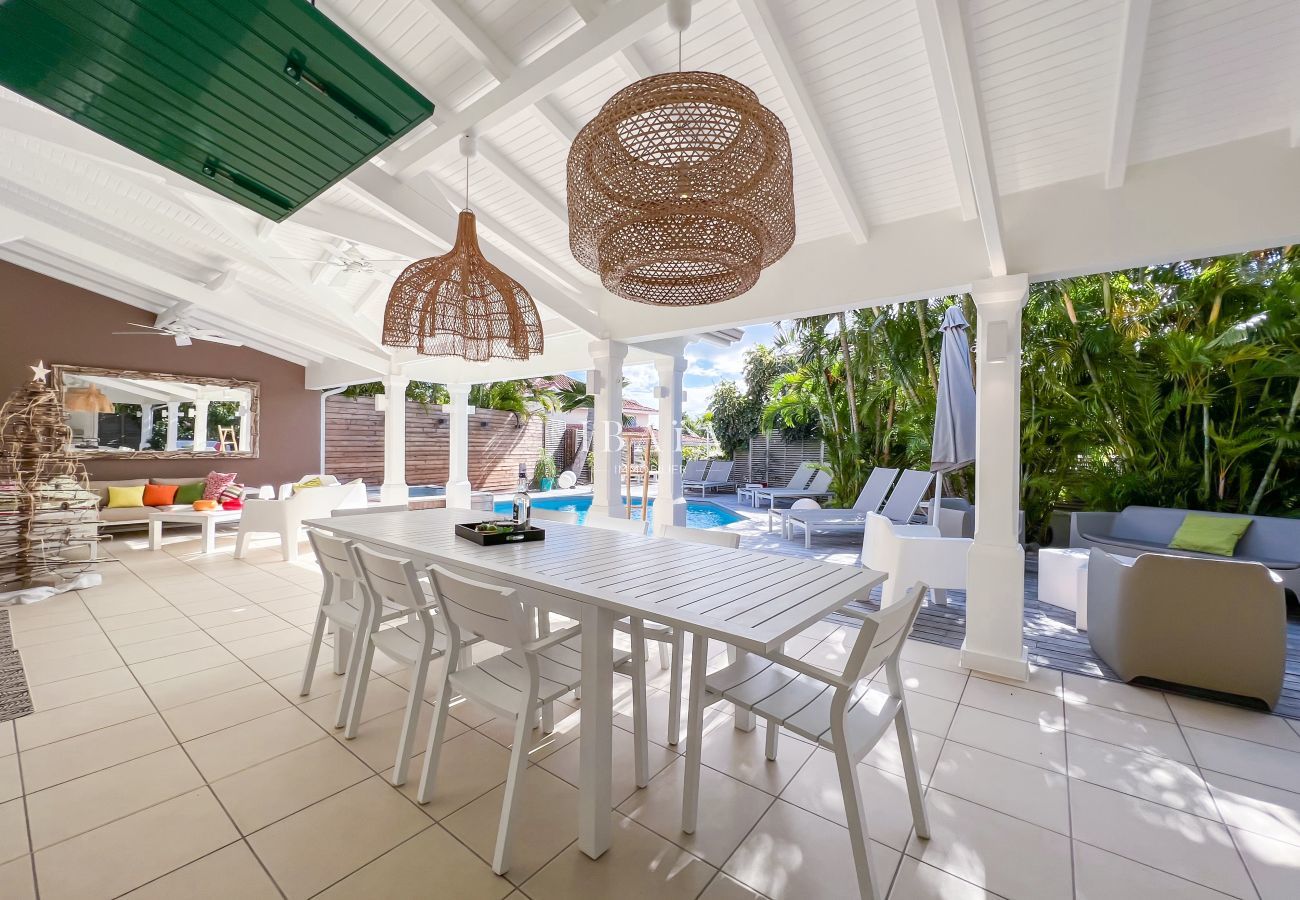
752	601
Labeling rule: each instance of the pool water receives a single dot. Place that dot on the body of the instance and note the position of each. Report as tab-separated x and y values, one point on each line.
699	514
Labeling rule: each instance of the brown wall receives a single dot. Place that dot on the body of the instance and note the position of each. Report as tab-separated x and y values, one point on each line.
354	444
42	318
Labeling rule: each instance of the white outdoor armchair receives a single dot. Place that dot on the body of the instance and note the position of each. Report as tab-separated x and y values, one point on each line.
912	553
285	517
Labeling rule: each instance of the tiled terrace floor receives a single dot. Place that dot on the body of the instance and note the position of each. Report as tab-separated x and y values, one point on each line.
171	756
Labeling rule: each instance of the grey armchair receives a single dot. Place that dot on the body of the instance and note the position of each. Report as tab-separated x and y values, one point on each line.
1206	623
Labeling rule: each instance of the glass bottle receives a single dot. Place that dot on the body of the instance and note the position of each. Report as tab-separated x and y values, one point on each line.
523	505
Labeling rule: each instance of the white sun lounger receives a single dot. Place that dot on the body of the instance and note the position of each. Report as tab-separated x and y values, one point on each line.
718	477
869	499
694	470
899	508
798	481
816	487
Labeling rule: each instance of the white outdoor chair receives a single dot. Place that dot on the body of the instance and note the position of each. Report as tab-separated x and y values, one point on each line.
869	499
799	479
912	553
393	591
284	517
718	477
341	605
567	516
836	710
817	486
533	672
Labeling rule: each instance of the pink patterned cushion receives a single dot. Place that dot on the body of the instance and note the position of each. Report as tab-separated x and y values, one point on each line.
216	483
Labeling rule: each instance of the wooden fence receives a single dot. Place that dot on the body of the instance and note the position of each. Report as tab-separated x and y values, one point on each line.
498	443
772	460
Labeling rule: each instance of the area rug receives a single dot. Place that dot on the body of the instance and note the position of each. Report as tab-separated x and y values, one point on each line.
15	699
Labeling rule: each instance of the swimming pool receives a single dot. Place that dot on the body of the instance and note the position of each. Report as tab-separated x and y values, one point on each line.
699	514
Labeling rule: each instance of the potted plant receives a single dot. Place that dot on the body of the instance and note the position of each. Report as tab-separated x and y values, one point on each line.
545	471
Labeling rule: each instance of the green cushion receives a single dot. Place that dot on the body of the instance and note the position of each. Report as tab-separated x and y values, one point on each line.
1210	534
125	497
188	493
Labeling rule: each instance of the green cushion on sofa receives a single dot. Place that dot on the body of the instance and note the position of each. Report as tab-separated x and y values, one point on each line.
188	493
1210	534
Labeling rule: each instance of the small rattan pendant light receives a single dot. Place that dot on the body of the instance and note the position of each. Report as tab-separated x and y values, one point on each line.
460	304
681	189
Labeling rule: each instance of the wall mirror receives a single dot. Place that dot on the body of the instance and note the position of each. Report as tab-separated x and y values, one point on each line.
121	414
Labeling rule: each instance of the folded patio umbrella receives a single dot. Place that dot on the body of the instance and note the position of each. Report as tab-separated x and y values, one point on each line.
954	414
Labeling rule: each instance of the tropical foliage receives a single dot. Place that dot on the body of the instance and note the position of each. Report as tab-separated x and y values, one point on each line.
1174	385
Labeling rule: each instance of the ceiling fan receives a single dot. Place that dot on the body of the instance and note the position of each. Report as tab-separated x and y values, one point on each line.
349	258
184	333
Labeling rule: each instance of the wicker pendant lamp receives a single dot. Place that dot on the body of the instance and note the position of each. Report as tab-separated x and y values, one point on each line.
681	189
460	304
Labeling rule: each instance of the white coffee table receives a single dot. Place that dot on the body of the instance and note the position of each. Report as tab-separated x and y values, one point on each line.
1063	580
208	520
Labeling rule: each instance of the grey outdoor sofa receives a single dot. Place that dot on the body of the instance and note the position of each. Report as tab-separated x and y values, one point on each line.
1271	541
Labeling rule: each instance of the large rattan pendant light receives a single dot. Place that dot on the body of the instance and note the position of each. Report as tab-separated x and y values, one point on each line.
460	304
681	189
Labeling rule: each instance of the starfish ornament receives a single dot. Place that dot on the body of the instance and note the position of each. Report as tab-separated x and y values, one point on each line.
39	371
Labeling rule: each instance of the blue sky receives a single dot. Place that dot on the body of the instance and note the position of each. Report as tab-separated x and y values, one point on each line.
706	365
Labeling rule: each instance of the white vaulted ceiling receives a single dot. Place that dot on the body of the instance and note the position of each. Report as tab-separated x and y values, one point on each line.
935	142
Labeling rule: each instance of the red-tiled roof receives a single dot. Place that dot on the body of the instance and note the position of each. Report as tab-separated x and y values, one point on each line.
634	407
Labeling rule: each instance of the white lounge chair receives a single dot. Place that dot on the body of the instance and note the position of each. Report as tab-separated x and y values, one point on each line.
912	553
869	499
899	508
285	517
817	486
798	481
718	477
694	470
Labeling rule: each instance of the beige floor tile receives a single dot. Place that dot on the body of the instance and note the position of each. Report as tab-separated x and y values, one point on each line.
85	803
217	603
283	785
1245	759
884	797
24	638
724	887
236	748
1100	875
316	847
1001	854
942	683
46	672
1032	706
17	881
113	624
1246	724
200	685
1155	778
8	743
382	697
887	756
728	810
224	710
1172	841
638	864
1127	698
917	881
161	648
78	718
236	631
1006	785
1126	730
188	663
741	755
431	861
1274	865
1256	807
153	631
11	783
55	763
63	649
127	853
376	740
282	662
271	642
13	831
1016	738
792	855
245	613
547	813
565	762
231	872
83	687
119	605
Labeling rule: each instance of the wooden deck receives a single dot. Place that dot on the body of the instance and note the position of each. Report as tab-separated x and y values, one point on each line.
1050	635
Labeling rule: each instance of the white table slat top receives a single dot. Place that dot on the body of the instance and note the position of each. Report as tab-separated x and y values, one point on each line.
753	600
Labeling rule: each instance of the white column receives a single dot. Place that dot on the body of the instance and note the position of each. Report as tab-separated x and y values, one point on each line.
173	415
607	443
146	424
995	578
201	425
458	486
670	505
245	438
394	489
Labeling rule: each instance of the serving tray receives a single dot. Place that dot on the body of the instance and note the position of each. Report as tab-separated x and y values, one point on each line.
531	533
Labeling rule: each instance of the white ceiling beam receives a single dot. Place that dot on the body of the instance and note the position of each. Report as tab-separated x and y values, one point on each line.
947	102
234	304
498	160
767	33
944	35
609	32
629	59
1133	42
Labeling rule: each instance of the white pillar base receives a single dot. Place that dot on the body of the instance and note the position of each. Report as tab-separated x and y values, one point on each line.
458	494
394	493
1015	669
995	611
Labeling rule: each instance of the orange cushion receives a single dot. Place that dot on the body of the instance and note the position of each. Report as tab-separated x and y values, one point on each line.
159	494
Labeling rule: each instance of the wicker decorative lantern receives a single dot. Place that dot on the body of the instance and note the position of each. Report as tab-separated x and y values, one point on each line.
460	304
681	190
